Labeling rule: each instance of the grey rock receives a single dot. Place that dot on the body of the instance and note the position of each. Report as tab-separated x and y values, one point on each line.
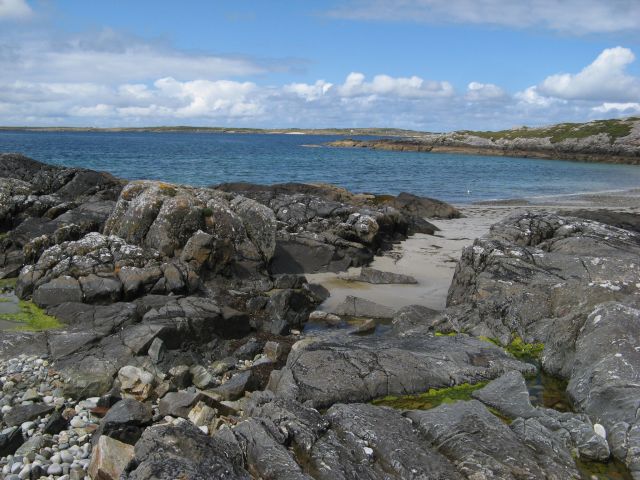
125	421
360	307
362	368
483	446
166	452
24	413
371	275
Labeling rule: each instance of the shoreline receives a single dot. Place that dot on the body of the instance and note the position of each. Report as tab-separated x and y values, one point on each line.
431	259
591	155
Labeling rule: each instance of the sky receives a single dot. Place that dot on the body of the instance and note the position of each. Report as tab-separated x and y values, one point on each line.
435	65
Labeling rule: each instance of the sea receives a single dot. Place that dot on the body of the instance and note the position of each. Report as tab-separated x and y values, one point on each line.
211	158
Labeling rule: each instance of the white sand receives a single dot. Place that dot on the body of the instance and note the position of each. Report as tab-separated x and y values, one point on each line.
431	259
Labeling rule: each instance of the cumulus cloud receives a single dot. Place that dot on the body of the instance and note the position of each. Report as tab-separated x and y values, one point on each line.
605	79
479	92
567	16
628	108
14	9
383	85
307	91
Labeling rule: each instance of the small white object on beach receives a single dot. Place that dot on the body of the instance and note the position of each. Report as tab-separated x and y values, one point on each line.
599	429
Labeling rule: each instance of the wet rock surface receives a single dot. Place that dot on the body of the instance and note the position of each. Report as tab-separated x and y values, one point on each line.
180	353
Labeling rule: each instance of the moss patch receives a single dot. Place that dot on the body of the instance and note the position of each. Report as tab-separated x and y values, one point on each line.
31	318
615	129
611	470
167	189
207	212
8	283
449	334
528	351
430	399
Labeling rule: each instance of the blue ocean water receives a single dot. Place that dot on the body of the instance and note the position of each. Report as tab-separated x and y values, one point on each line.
205	159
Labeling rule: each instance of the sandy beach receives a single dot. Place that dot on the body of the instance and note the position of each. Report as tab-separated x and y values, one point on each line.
432	259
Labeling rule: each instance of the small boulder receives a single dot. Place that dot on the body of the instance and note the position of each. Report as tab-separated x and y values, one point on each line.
109	459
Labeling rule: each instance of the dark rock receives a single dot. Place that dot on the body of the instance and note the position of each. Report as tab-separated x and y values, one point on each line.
57	291
178	404
371	275
236	386
483	446
125	421
362	368
56	423
288	309
249	349
24	413
167	452
10	441
360	307
413	316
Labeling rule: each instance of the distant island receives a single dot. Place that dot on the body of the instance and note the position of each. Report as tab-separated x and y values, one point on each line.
610	141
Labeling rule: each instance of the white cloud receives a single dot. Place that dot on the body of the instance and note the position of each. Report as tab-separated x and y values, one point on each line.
309	92
630	107
478	92
605	79
383	85
567	16
111	57
14	9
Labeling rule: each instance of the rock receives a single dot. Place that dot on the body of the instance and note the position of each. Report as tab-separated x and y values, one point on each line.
56	423
570	284
178	404
24	413
167	452
509	395
10	441
109	459
201	414
135	382
57	291
360	307
236	386
201	377
489	449
274	351
381	443
165	217
371	275
412	316
248	350
368	325
103	289
125	421
288	309
327	318
352	369
157	350
221	366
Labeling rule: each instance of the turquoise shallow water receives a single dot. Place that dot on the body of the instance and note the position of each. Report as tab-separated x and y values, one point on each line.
204	159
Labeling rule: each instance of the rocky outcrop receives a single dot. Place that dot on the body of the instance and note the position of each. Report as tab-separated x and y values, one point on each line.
610	141
44	204
229	229
572	285
359	369
326	228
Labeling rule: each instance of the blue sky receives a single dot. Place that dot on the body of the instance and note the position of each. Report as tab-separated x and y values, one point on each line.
424	64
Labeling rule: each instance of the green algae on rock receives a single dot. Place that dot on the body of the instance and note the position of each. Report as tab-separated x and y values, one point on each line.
31	318
430	399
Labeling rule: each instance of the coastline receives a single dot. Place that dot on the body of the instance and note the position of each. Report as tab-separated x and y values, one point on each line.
432	259
589	154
